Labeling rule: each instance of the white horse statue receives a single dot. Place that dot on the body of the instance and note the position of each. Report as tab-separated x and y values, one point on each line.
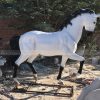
61	43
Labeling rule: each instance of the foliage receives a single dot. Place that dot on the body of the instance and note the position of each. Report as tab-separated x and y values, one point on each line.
42	12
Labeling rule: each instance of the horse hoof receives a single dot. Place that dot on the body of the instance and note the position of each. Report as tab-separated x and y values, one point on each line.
18	86
78	75
75	75
35	77
58	77
16	81
60	82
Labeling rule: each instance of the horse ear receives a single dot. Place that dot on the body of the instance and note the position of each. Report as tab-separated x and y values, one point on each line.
97	15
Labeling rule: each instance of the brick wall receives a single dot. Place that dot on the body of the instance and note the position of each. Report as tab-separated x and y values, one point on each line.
98	39
6	31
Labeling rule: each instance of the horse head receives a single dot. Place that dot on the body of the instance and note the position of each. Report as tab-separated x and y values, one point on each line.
89	21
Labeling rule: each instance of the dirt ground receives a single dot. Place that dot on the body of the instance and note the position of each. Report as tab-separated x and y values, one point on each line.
47	75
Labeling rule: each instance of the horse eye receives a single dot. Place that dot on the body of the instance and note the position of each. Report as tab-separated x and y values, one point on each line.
94	22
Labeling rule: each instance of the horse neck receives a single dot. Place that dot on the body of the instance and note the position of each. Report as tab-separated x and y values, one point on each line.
74	30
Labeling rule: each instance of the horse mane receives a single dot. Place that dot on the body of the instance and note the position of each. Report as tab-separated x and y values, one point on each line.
74	15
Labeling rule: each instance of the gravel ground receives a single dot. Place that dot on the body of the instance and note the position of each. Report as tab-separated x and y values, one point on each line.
47	75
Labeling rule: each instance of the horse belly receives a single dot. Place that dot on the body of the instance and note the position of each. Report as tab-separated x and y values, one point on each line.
51	53
48	47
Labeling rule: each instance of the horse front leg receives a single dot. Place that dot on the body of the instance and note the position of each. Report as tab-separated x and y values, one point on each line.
63	62
74	56
81	67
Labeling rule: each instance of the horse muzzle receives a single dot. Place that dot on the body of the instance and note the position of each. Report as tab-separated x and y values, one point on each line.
90	33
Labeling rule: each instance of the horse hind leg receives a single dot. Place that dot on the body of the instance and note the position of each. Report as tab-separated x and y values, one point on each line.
29	62
17	63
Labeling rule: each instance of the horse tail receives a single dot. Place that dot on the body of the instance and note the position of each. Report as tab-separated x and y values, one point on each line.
14	43
14	47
